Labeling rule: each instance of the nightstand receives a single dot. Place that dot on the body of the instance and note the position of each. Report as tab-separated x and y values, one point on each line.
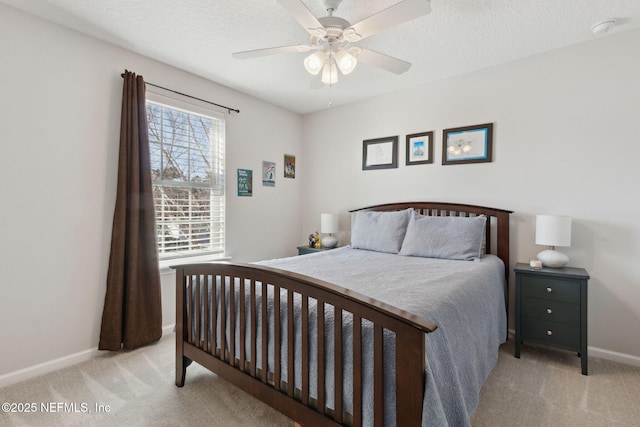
551	308
303	250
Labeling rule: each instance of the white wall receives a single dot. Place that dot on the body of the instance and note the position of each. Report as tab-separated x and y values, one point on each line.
60	96
566	126
565	142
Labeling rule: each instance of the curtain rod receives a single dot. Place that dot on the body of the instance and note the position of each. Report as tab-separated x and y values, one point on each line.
189	96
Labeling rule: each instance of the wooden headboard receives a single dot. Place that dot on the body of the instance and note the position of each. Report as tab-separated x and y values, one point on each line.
497	232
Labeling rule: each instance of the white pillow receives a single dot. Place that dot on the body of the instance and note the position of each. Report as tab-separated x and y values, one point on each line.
380	231
447	237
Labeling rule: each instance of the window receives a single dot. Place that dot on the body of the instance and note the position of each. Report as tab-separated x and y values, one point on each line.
187	162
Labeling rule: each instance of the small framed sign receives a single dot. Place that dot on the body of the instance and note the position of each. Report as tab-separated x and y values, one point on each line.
245	182
268	174
289	166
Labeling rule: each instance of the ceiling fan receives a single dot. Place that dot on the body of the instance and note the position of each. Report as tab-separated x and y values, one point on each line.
331	38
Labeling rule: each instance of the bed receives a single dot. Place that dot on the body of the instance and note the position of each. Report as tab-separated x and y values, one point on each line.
399	328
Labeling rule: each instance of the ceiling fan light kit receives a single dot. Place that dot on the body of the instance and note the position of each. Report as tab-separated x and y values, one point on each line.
330	73
330	37
314	62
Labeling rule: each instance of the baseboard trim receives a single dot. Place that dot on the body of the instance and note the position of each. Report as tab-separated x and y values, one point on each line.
59	363
168	330
46	367
614	356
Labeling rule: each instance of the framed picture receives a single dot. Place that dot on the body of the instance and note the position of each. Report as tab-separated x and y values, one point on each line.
420	148
289	166
268	174
245	182
380	153
469	144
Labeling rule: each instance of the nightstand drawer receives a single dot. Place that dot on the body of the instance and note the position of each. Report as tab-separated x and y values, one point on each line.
558	334
556	289
550	310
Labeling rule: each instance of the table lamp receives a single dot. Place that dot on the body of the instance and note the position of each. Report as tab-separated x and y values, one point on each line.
552	231
328	225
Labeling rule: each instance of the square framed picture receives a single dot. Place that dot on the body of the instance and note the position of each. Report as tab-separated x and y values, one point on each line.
380	153
419	148
468	144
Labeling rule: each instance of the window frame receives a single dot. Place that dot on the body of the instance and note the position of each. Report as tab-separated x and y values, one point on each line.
198	108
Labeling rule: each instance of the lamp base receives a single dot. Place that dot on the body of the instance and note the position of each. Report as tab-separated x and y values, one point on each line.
329	241
552	258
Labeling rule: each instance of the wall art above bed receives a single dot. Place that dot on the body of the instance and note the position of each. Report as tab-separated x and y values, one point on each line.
380	153
468	144
419	148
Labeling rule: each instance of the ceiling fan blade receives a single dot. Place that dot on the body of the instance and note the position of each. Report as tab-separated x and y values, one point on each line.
380	60
303	15
397	14
271	51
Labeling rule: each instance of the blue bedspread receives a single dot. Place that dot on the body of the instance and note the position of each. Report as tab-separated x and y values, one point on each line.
464	298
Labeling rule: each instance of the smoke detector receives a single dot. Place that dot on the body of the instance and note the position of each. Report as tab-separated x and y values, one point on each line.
603	26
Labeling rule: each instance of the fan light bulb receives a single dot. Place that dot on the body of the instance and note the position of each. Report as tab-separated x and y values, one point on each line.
346	61
314	62
329	73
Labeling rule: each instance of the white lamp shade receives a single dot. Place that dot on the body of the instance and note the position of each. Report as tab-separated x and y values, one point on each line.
330	73
552	230
328	223
315	62
346	61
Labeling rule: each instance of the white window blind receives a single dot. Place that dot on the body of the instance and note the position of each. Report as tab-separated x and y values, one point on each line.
187	150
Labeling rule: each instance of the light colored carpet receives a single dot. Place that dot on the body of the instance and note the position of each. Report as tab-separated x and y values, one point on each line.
543	388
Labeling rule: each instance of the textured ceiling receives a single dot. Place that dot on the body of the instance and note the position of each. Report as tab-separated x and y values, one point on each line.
458	36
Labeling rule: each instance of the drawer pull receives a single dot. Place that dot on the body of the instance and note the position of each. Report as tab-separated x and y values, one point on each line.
549	311
549	290
549	332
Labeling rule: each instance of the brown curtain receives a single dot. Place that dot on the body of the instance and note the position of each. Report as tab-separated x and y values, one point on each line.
132	315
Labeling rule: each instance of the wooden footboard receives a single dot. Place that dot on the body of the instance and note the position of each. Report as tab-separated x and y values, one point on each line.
244	296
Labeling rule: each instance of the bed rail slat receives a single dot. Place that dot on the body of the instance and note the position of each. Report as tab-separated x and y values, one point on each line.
198	319
321	367
223	316
277	339
357	370
338	364
207	343
214	313
291	381
305	350
265	326
190	312
252	327
243	324
232	320
378	374
409	409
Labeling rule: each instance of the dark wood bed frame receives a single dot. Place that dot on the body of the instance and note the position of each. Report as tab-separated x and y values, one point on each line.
193	344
